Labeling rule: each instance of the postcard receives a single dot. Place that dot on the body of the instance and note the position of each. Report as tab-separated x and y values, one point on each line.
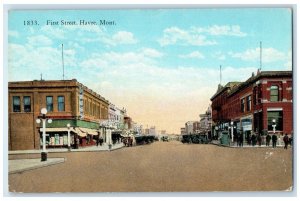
150	100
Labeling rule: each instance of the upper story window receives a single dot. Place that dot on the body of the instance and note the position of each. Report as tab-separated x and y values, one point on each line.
16	104
243	105
49	103
274	93
27	103
61	103
248	103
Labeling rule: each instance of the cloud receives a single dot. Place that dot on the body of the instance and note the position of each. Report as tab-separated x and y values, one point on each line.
123	37
51	31
225	30
32	60
197	36
174	35
195	54
13	34
268	55
39	40
219	55
152	53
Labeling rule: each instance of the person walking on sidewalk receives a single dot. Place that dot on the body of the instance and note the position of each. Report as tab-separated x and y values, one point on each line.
241	140
268	139
259	139
274	140
253	139
286	141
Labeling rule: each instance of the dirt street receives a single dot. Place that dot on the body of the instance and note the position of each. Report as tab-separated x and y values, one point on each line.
161	167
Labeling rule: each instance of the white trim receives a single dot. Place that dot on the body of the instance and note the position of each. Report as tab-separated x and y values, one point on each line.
257	111
284	81
265	82
246	95
247	117
275	109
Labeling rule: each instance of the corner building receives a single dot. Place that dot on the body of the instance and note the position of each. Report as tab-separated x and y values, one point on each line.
67	102
253	104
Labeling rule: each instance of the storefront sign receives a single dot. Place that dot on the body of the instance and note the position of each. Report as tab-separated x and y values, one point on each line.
81	106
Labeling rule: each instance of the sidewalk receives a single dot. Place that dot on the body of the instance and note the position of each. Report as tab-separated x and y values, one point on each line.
104	147
21	165
245	145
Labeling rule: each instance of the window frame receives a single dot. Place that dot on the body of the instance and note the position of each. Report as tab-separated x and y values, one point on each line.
49	106
59	104
24	106
248	99
242	102
19	104
274	90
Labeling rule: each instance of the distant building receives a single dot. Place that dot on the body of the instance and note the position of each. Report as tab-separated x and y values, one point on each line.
152	130
191	127
182	131
206	122
67	102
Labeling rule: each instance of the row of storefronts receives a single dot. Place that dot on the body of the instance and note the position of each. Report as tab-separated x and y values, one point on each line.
70	105
262	104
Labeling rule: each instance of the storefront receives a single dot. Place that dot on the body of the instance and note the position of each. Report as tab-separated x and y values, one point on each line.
246	125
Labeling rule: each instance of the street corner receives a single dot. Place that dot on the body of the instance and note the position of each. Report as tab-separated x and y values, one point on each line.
21	165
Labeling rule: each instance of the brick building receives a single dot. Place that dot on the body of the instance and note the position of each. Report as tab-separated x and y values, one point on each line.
252	105
67	102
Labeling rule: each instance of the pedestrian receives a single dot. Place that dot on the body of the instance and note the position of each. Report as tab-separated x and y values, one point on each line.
101	141
274	140
268	139
259	139
253	139
291	141
286	141
97	141
241	140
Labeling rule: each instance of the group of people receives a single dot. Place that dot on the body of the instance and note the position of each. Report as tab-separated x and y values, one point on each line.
256	139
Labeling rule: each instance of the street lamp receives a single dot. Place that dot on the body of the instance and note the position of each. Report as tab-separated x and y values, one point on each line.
44	118
231	131
69	143
217	128
274	125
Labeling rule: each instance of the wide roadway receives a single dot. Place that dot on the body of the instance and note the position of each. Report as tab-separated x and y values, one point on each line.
161	167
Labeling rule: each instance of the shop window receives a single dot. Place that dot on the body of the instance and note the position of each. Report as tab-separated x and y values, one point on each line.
274	93
16	104
242	105
277	115
248	103
49	103
61	103
27	103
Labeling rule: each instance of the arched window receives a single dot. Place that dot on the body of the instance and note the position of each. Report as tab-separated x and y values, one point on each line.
274	93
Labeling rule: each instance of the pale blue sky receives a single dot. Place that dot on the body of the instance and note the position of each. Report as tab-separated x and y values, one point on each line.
151	55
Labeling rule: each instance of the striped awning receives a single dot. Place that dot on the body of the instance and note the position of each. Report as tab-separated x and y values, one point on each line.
89	131
79	132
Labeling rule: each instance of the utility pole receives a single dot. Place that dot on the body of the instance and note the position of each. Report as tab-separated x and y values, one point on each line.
62	58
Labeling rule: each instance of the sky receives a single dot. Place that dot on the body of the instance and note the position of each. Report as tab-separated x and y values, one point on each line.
162	65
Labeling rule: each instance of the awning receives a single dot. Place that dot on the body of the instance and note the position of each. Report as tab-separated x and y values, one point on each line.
89	131
79	132
57	130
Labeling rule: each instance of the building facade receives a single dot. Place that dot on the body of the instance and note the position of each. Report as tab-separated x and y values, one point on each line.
67	102
253	105
206	122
